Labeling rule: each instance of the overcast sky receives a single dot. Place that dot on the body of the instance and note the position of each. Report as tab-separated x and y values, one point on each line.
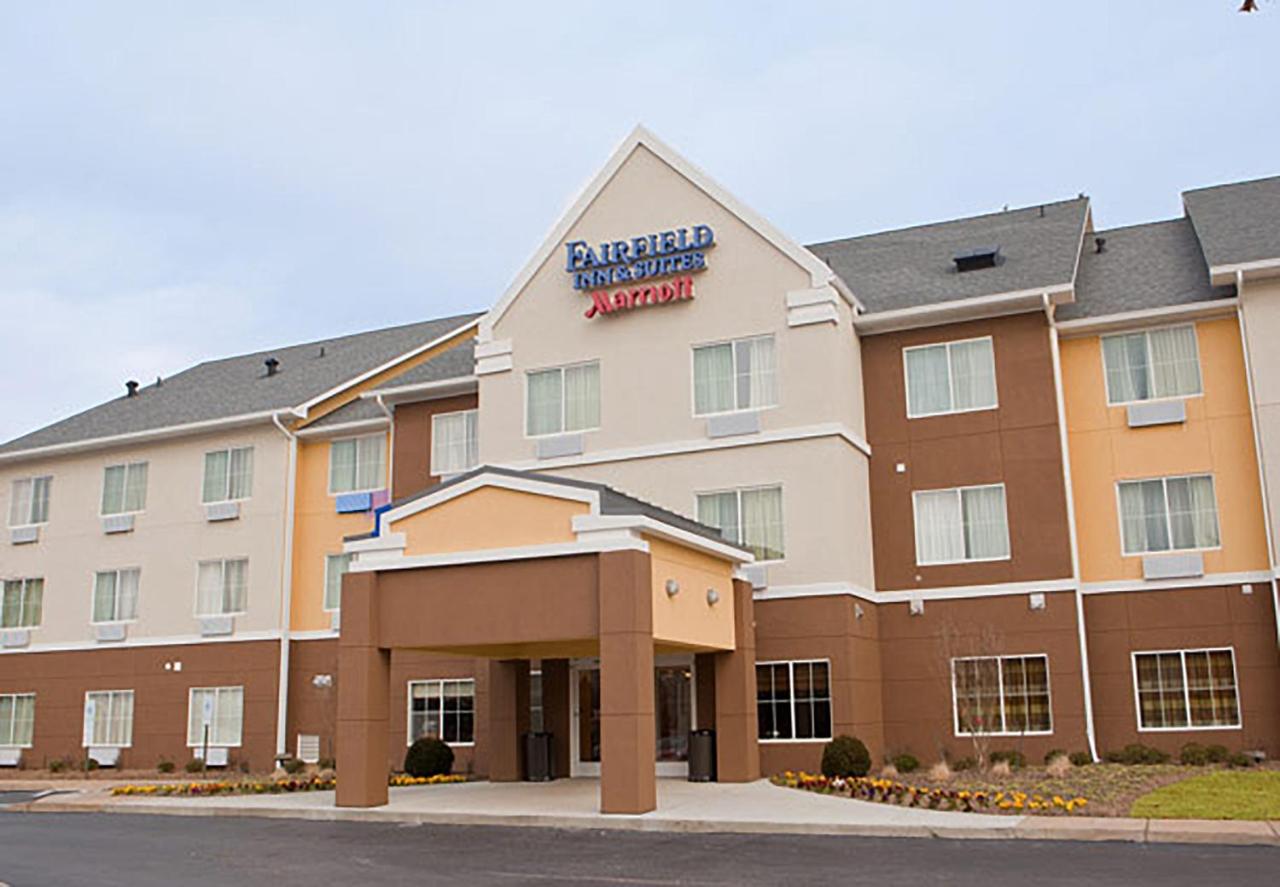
187	181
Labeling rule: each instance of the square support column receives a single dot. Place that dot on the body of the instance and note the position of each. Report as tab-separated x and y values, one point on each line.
556	715
737	745
627	732
364	687
508	717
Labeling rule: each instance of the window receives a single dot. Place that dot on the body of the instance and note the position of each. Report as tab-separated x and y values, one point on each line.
108	718
964	524
335	567
17	719
124	488
748	517
29	503
222	587
1151	364
228	475
1186	689
455	448
358	464
737	375
219	708
1001	695
563	399
115	595
951	377
1168	514
23	603
443	709
793	700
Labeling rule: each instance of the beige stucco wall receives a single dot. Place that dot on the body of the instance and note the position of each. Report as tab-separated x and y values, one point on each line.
170	537
1260	304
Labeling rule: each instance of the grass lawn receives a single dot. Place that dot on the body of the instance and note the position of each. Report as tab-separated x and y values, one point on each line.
1226	794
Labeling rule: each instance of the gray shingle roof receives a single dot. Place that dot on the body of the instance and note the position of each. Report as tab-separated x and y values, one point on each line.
235	386
455	363
913	266
1237	223
1153	265
355	411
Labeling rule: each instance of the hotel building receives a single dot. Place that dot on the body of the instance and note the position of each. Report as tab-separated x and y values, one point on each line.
1004	481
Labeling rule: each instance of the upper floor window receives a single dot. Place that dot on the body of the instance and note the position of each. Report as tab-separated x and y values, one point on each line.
220	710
108	718
228	475
1186	689
335	567
1168	514
1151	364
950	377
961	524
124	488
358	464
563	399
1001	695
23	603
17	719
115	595
442	709
455	446
30	501
737	375
222	587
793	700
749	517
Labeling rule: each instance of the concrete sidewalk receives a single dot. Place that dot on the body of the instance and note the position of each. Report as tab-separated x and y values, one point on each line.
682	807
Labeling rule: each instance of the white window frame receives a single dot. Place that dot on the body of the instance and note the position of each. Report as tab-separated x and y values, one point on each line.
33	480
218	691
1146	333
1186	690
440	682
738	491
1168	518
22	609
951	382
436	469
223	561
111	695
791	677
563	403
128	467
959	491
226	493
382	435
1004	721
733	351
93	596
324	597
13	723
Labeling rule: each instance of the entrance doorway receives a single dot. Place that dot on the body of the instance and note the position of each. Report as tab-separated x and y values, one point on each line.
674	708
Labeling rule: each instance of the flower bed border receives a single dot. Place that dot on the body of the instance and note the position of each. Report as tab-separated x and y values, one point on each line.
265	786
889	791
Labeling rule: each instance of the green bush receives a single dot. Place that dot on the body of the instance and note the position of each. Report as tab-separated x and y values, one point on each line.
165	766
1217	754
845	756
1137	753
1014	758
1193	754
428	756
88	764
195	765
1054	753
1080	758
327	764
963	764
1239	759
293	766
57	765
905	763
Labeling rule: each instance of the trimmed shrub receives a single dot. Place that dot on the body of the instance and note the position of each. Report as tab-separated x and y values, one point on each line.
1217	754
845	756
1137	753
963	764
1194	754
1054	753
906	763
57	765
1014	758
88	764
293	766
195	765
165	766
428	756
1239	759
1080	758
327	764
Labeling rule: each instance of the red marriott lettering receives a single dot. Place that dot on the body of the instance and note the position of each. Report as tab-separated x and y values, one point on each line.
637	297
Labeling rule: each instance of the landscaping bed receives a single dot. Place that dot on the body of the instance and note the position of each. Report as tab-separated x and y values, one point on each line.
288	785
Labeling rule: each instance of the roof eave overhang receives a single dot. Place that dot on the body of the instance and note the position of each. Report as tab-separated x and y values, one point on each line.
1221	275
960	310
425	390
1087	326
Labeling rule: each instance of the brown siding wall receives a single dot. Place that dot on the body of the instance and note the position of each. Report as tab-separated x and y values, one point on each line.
411	465
60	681
1119	624
312	709
1017	444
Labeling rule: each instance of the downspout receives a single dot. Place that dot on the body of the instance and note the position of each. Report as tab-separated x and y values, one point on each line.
286	589
1257	450
1086	678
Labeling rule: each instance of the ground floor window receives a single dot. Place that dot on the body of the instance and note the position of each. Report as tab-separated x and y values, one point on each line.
793	700
222	710
1186	689
17	719
108	718
444	709
1001	695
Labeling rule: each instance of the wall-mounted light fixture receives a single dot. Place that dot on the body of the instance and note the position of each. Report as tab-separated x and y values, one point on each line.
673	588
713	596
322	681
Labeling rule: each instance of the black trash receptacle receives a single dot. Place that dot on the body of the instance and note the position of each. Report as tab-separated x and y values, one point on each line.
537	757
702	756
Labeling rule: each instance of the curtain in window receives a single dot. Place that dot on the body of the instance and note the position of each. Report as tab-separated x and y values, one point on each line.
235	586
1125	359
582	397
229	715
1161	702
371	454
135	487
720	510
986	530
755	373
938	527
127	594
335	567
104	596
1175	364
17	719
40	488
113	489
1193	512
973	374
209	589
33	603
240	473
20	503
762	522
112	718
1211	690
544	400
342	466
1142	516
976	683
424	709
713	379
928	381
454	447
11	609
216	466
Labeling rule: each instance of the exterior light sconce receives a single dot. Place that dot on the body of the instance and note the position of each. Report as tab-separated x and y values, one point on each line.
713	597
858	612
1246	589
322	681
673	588
916	606
1036	600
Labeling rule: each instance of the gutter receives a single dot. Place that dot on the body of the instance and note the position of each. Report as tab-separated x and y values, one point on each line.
976	308
426	390
286	589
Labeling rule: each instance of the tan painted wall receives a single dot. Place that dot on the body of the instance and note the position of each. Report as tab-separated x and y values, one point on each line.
171	536
488	518
687	618
1260	304
1217	437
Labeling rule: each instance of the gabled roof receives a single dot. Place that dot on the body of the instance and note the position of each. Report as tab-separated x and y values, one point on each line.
240	387
914	267
1237	223
458	362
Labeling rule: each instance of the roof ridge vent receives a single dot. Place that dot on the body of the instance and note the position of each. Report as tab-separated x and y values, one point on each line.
977	257
272	365
131	388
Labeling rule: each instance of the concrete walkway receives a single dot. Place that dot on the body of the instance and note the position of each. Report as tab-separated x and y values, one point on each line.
682	807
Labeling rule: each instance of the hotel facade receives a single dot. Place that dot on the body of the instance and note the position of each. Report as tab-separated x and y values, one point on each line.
1004	481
